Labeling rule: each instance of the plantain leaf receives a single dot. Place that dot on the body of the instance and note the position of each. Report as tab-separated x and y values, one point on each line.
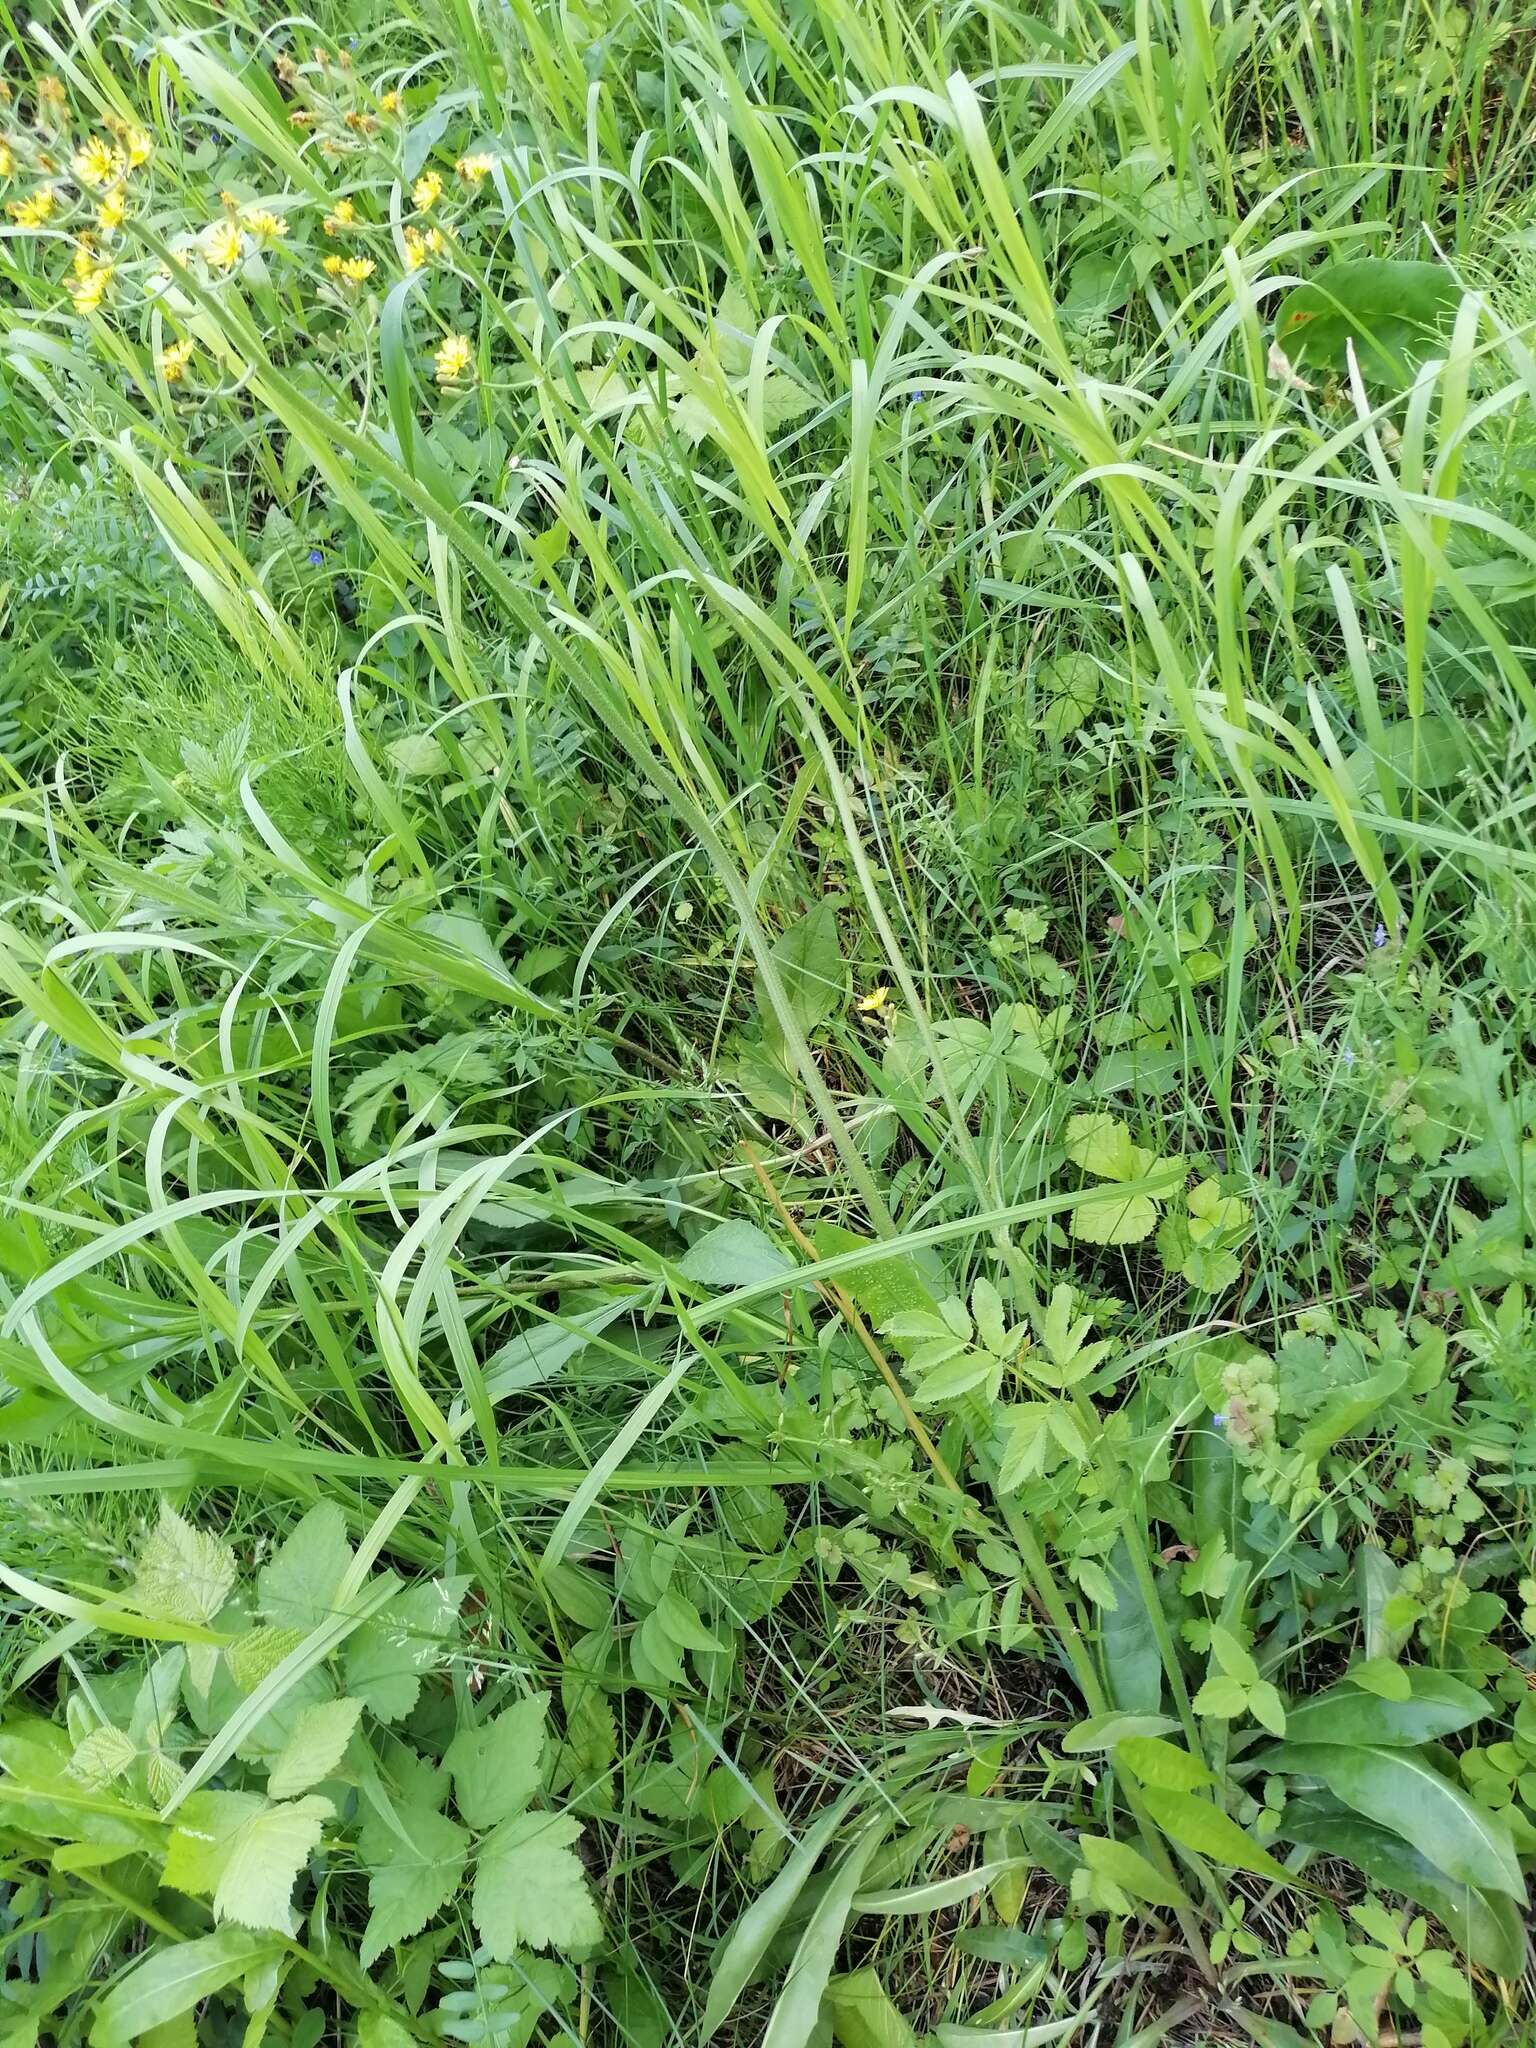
1196	1824
1437	1705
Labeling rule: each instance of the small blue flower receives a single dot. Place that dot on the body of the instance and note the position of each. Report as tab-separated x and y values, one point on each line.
315	557
1379	936
1349	1056
1220	1418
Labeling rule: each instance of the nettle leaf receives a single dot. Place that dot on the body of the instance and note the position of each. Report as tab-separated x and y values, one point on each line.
414	1869
245	1852
530	1888
182	1574
496	1769
1392	312
103	1755
315	1748
298	1588
386	1659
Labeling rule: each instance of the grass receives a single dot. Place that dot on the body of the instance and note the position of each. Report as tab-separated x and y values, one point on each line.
764	1215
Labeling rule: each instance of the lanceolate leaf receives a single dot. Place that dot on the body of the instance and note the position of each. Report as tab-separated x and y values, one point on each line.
1195	1823
793	2019
1402	1792
1487	1925
175	1979
1391	311
1438	1705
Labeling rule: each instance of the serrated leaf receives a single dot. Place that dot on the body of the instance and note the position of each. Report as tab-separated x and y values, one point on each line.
1111	1219
530	1888
257	1654
200	1841
1222	1697
315	1748
1235	1659
182	1574
298	1588
410	1880
1197	1824
266	1855
735	1254
101	1756
496	1769
386	1659
1101	1145
987	1314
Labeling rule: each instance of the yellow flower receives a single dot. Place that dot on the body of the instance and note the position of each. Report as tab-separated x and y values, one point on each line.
173	360
139	146
97	163
112	209
426	191
354	268
389	103
266	227
419	246
85	258
473	168
89	290
34	210
873	1005
50	93
452	359
340	217
332	266
221	244
7	161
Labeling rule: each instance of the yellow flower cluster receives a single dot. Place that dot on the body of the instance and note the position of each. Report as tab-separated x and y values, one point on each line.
341	216
452	358
420	245
475	169
32	211
350	269
221	244
426	191
88	287
172	360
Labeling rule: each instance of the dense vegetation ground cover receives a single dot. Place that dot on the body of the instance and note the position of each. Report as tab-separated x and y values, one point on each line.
767	1183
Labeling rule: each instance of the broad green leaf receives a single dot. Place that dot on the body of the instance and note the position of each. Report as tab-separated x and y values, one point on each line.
315	1748
386	1658
1488	1926
1222	1697
203	1836
792	2022
530	1888
1196	1824
1381	1676
176	1977
1437	1705
886	1287
1111	1218
1234	1657
410	1880
735	1255
1161	1764
1391	310
298	1588
1129	1869
497	1769
863	2015
1133	1666
1101	1145
811	968
1400	1791
1100	1733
